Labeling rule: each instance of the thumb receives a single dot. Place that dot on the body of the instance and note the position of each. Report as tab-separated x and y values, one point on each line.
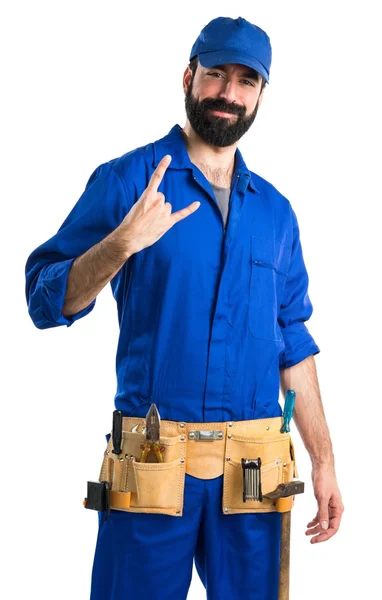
323	514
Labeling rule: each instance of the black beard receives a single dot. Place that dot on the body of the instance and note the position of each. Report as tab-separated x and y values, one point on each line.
214	130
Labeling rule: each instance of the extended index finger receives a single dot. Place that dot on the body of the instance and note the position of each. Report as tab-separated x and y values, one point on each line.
158	174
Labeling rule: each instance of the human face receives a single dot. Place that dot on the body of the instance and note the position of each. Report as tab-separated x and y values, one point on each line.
222	102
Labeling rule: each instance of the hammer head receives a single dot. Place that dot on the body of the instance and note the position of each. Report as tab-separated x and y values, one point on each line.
286	489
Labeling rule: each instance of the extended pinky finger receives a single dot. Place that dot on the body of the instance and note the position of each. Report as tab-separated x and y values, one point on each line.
185	212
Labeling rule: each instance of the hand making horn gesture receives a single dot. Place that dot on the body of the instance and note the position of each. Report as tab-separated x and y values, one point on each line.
150	217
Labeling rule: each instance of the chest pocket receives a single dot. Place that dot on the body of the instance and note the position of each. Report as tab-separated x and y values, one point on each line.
269	270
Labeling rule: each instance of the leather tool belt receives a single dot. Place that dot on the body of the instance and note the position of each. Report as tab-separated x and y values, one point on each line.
203	450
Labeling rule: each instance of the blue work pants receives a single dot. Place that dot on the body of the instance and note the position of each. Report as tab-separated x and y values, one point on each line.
142	556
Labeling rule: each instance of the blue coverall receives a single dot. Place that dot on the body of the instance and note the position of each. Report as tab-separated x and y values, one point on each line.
207	318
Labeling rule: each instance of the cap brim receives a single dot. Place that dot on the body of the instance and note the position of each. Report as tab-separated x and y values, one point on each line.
220	57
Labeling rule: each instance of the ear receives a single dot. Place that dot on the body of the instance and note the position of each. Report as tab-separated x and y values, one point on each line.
260	99
187	76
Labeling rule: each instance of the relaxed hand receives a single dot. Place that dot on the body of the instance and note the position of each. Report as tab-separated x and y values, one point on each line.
330	508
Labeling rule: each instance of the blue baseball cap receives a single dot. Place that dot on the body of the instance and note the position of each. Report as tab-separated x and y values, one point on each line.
225	40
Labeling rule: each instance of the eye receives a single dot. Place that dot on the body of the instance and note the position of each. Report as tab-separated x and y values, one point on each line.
215	73
247	82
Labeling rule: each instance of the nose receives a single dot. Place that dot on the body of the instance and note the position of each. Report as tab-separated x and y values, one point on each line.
228	92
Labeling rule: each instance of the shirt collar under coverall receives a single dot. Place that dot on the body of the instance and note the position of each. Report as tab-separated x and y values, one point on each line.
207	317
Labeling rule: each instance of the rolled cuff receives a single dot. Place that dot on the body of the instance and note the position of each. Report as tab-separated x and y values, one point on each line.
299	344
52	283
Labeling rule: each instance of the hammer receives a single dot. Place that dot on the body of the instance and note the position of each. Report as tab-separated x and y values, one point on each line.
283	497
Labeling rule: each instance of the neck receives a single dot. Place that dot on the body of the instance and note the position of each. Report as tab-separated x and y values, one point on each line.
216	163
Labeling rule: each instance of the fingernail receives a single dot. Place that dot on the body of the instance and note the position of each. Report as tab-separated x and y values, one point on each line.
324	524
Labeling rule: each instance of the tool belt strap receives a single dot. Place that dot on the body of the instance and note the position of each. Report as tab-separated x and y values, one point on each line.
206	442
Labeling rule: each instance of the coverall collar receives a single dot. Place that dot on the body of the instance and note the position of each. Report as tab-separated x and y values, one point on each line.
173	143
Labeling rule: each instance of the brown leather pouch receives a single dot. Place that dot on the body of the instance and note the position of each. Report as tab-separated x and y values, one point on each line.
152	487
276	452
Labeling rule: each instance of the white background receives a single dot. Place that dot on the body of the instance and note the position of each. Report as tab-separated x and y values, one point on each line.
86	81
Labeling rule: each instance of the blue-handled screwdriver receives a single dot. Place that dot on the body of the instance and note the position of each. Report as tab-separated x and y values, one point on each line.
288	410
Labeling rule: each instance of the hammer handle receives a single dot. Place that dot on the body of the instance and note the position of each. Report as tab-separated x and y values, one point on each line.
284	556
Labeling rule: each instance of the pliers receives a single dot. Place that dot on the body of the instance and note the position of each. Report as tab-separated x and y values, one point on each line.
152	435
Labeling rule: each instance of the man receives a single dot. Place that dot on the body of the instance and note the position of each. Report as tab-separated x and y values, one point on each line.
205	263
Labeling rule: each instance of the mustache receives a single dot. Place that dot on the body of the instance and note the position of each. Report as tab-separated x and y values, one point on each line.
222	106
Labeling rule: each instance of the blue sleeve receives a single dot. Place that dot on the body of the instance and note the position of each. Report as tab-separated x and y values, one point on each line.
100	209
296	308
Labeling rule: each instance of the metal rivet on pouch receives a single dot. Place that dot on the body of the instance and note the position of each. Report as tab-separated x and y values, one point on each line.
229	424
191	435
181	424
178	512
220	434
182	437
267	428
284	464
226	509
121	460
228	458
182	460
229	435
107	452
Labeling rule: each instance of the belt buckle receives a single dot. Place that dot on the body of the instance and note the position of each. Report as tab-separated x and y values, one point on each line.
205	435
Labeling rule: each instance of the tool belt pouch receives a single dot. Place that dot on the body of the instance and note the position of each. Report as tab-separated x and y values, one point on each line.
153	487
278	465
